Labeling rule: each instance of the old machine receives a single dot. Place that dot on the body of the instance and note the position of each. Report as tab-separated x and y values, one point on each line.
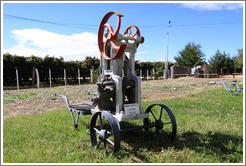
118	96
234	91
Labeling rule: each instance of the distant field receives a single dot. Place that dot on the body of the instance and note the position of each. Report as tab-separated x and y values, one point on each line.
209	126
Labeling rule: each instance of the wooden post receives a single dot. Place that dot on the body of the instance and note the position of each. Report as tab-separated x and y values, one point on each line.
172	72
33	75
153	73
65	77
17	79
141	74
79	76
50	78
91	74
147	74
164	73
37	74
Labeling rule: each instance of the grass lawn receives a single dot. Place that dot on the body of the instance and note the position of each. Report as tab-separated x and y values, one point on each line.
209	130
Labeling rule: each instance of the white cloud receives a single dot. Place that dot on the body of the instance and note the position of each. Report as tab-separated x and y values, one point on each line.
41	43
212	6
142	52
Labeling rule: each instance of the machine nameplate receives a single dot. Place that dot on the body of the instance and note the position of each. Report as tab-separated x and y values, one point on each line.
131	109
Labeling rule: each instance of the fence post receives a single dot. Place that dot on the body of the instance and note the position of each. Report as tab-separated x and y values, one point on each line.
153	73
17	79
164	73
65	77
141	74
79	76
91	74
50	78
171	68
147	74
37	74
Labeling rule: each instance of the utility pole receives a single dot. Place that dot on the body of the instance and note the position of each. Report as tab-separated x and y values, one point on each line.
166	53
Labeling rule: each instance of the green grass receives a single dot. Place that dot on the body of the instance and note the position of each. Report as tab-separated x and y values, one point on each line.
209	130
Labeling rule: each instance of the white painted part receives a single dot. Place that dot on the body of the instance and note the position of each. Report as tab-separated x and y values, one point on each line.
65	77
91	73
153	70
132	62
119	96
131	109
212	82
137	88
79	76
126	37
123	117
17	79
147	74
50	78
37	74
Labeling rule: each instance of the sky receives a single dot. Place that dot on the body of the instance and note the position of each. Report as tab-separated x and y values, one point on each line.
70	29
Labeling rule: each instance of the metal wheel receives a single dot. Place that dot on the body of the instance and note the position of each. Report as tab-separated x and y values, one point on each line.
104	131
162	118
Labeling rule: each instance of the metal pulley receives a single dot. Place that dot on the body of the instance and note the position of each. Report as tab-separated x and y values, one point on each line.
112	36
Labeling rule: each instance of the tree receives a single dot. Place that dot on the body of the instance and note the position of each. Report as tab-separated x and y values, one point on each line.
92	62
218	61
191	56
239	58
229	64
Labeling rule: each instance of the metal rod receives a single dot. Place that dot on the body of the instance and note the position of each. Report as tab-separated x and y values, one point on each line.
166	53
138	127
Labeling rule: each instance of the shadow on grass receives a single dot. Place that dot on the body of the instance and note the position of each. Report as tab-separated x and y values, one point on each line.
226	147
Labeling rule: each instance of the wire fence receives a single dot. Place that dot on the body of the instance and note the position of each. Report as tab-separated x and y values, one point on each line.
16	79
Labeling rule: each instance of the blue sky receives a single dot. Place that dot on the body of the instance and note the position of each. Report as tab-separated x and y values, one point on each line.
73	27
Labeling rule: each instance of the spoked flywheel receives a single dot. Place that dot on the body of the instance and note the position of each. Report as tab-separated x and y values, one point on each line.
162	118
104	132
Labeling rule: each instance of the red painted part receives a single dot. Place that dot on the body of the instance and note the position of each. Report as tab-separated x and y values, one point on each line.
112	35
128	31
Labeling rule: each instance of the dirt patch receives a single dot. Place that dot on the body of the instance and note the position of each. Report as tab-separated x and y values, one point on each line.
34	101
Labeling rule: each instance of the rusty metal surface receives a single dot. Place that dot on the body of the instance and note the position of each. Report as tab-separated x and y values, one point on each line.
112	35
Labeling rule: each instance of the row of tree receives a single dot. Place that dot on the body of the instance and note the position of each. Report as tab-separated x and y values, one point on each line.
189	57
26	68
192	56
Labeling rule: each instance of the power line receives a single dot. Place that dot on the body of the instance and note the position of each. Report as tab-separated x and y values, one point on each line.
93	27
219	23
49	22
